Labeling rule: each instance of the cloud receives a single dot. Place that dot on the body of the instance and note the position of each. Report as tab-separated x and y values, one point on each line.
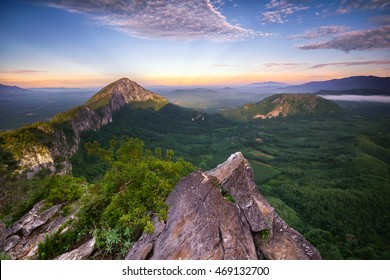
362	40
323	31
381	20
22	71
169	19
280	10
348	6
289	65
352	63
225	65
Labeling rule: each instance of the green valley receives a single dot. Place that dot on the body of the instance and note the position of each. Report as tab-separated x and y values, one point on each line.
326	171
327	176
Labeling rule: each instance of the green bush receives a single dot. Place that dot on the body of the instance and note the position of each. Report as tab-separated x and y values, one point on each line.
133	190
56	244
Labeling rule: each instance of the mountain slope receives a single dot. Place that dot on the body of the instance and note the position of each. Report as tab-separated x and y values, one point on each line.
283	105
362	92
125	91
50	145
355	82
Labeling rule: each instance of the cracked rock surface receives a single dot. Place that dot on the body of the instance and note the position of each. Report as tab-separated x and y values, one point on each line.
203	224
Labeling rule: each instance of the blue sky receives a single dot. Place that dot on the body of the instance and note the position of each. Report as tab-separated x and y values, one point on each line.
89	43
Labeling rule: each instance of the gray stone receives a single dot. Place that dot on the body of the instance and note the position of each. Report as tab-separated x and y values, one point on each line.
272	236
35	219
10	242
32	228
144	246
202	224
81	253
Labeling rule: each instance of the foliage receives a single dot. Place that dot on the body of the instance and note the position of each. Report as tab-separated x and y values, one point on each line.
68	115
226	195
293	105
138	183
21	195
326	173
63	189
4	256
326	176
56	244
101	98
14	143
131	193
264	234
286	213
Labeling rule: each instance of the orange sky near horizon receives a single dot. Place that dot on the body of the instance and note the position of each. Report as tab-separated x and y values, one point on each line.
31	80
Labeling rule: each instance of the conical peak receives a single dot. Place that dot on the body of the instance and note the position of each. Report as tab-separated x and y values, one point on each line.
120	92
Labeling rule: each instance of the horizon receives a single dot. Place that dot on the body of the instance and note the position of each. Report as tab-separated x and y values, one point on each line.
186	87
89	44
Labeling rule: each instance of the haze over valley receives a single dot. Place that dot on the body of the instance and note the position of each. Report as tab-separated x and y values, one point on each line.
25	106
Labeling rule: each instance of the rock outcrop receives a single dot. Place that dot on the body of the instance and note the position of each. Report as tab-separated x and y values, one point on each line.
219	214
20	241
80	253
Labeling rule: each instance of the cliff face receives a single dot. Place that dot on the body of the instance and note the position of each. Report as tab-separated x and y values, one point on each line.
59	139
219	214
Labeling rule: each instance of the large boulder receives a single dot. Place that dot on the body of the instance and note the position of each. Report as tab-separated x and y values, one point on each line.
274	239
220	215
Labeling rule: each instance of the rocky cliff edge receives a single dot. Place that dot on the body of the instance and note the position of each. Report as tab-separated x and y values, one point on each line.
219	214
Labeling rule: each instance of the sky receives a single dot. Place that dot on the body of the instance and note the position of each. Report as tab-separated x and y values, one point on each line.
90	43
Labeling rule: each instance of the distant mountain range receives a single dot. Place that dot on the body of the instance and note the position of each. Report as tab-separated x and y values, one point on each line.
362	92
355	82
268	85
63	89
379	86
12	89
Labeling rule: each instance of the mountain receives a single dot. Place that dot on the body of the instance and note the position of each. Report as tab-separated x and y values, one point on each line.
283	105
122	92
12	90
50	145
62	89
268	85
355	82
363	92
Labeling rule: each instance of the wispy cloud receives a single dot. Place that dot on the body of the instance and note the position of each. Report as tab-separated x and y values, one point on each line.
22	71
169	19
381	20
348	6
323	65
362	40
285	65
352	63
279	10
323	31
226	65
